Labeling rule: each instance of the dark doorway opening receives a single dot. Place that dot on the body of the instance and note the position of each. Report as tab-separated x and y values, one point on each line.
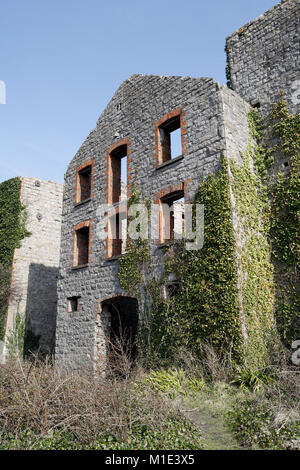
123	327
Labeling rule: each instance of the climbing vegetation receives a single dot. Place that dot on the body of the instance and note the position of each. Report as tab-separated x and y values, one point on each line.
285	222
229	289
253	249
12	229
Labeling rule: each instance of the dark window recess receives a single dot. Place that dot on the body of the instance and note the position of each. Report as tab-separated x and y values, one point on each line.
82	246
172	289
286	164
123	315
117	241
119	171
119	188
85	178
73	304
170	139
174	202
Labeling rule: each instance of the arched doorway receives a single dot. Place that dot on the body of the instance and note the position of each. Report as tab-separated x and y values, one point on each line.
123	313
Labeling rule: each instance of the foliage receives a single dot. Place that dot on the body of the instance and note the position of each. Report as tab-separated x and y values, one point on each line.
175	433
209	306
205	308
15	341
253	380
173	382
285	223
5	288
12	220
12	229
254	423
252	208
228	69
44	407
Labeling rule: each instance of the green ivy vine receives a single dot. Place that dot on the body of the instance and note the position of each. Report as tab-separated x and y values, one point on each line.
285	223
228	69
205	308
12	229
254	253
227	289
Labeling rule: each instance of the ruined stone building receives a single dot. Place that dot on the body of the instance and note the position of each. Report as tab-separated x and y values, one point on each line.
162	141
138	126
35	262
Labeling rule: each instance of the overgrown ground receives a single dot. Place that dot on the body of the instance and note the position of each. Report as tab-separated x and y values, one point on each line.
193	404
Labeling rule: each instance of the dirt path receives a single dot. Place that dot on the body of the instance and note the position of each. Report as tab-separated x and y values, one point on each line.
215	434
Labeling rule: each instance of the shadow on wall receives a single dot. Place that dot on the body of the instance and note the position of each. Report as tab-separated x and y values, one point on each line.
41	310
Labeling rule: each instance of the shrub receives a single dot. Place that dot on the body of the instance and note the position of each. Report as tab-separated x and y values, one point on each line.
173	382
257	425
254	380
42	406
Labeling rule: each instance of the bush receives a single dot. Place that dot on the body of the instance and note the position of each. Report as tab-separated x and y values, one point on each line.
44	407
257	425
254	380
173	382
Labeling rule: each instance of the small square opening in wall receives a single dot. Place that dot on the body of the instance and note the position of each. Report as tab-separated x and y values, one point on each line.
170	139
81	248
85	179
172	287
73	304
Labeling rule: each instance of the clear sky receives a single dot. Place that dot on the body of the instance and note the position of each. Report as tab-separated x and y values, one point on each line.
62	60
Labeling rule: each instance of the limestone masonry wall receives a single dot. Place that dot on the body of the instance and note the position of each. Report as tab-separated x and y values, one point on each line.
35	266
143	100
264	57
263	60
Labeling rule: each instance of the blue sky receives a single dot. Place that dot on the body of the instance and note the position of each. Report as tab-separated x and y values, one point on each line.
62	60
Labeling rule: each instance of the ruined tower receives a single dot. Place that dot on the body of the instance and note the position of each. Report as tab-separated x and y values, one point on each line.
35	260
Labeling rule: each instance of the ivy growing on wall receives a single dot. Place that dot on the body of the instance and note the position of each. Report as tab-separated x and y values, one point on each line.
227	289
12	228
205	307
228	69
253	248
285	223
132	266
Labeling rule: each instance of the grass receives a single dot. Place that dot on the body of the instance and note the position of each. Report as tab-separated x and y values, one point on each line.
235	408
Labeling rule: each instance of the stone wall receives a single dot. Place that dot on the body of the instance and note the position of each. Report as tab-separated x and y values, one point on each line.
35	265
264	57
132	114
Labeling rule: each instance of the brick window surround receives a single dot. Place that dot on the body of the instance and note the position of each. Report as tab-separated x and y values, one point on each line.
82	244
114	245
113	189
84	184
113	171
172	120
168	195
